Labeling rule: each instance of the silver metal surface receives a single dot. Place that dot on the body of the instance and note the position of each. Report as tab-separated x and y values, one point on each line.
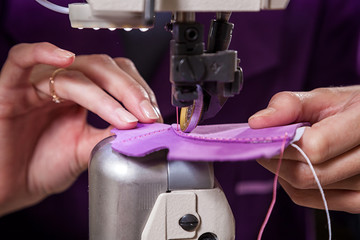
123	191
184	16
190	175
225	16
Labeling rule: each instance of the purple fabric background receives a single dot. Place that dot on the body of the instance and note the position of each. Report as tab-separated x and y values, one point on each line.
314	43
227	142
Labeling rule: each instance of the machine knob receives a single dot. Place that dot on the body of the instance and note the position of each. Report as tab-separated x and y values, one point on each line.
189	222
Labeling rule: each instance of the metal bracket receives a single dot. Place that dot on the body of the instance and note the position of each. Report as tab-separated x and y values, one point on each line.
209	206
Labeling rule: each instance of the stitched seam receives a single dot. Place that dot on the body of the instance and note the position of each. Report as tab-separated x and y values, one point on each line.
234	140
253	140
144	135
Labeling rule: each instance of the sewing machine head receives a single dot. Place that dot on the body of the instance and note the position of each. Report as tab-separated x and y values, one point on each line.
201	80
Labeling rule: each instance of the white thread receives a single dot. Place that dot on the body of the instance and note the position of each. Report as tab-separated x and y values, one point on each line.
53	6
319	185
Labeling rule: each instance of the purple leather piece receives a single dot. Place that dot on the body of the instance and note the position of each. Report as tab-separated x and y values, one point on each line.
225	142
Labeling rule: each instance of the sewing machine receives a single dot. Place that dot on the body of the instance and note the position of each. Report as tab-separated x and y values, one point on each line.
201	80
150	198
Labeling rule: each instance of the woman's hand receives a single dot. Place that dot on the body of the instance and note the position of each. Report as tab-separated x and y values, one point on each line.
44	145
332	143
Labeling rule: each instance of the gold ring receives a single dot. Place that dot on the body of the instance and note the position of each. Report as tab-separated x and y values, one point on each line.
55	97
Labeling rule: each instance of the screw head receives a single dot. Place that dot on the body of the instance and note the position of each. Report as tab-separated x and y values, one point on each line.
191	34
208	236
189	222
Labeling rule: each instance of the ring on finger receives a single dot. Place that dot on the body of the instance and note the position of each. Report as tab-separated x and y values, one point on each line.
55	97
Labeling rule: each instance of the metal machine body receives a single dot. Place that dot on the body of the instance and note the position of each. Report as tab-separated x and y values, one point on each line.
150	198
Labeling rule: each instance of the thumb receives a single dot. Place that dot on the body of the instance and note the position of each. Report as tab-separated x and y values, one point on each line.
290	107
87	142
283	108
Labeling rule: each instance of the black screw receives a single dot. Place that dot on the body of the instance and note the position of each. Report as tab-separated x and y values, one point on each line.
208	236
191	34
188	222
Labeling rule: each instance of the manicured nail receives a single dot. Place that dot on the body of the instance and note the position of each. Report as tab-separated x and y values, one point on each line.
64	53
148	110
125	116
160	119
263	113
157	110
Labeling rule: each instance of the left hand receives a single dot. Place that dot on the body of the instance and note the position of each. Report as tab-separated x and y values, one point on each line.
332	143
44	145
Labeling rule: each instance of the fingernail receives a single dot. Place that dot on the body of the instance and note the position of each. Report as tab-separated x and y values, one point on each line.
64	53
263	113
157	110
125	116
148	110
160	119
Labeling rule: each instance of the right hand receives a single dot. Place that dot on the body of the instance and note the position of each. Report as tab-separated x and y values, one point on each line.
332	143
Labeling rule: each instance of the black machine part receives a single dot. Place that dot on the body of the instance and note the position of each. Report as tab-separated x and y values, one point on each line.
217	70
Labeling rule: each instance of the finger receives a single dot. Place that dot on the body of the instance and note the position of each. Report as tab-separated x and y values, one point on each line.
290	107
283	108
351	183
334	114
90	137
330	137
76	87
338	200
129	67
106	73
299	175
23	57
